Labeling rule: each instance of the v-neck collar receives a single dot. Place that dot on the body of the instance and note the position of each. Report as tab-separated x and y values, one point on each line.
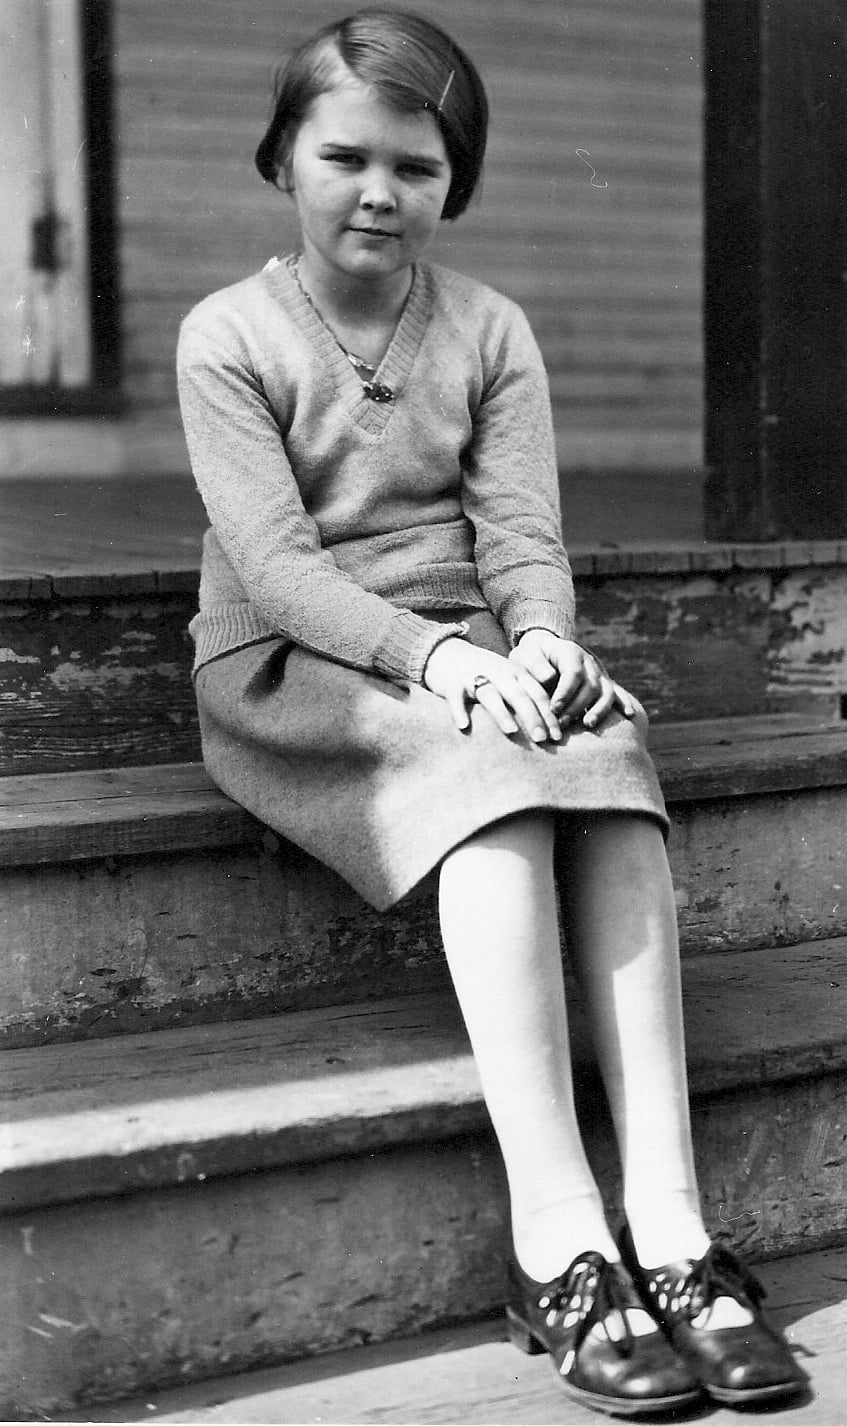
394	369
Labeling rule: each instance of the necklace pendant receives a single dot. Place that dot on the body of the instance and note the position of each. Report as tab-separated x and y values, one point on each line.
375	391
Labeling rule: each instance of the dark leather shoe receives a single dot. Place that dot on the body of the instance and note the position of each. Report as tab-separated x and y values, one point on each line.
737	1365
616	1372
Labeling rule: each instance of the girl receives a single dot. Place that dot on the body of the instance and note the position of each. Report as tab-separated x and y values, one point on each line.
387	674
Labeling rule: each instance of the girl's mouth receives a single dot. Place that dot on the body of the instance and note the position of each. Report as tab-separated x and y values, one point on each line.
374	233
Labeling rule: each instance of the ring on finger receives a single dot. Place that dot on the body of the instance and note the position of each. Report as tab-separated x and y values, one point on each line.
479	682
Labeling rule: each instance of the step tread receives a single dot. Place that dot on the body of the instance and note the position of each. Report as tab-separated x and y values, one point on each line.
473	1375
76	816
108	1116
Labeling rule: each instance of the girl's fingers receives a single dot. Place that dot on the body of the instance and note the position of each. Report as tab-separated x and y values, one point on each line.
594	715
536	663
624	701
488	697
534	711
522	703
612	696
457	706
578	696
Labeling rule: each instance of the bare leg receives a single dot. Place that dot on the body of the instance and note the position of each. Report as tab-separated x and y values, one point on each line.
498	918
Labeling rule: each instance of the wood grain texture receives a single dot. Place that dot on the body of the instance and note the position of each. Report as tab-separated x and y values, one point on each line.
95	948
172	1286
108	1116
95	666
176	1286
67	817
140	899
473	1374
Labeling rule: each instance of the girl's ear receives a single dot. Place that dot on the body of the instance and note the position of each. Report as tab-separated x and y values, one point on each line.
284	180
286	167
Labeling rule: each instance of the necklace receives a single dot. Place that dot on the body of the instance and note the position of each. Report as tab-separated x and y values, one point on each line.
365	370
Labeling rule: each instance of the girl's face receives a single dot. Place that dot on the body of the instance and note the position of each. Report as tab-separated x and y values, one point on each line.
369	184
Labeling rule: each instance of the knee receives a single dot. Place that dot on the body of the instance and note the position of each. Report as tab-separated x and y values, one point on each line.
530	833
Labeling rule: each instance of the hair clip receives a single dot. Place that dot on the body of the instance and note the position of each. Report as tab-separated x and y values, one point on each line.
446	90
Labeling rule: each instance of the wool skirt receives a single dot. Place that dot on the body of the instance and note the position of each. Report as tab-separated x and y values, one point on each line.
372	778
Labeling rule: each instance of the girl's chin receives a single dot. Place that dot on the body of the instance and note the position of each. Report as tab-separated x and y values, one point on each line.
378	262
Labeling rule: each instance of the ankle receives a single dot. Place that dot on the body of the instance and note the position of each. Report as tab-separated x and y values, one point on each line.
548	1237
668	1229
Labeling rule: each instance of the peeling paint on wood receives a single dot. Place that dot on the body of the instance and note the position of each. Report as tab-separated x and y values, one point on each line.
90	680
87	683
810	631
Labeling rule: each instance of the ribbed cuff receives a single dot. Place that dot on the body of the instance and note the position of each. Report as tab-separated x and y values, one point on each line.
537	614
224	627
408	642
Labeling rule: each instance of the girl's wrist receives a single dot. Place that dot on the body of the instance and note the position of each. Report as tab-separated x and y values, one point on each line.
537	629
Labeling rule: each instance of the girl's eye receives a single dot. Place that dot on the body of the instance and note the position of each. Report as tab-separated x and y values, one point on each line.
347	160
417	170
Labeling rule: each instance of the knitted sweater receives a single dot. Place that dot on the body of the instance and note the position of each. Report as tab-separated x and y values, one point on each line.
338	521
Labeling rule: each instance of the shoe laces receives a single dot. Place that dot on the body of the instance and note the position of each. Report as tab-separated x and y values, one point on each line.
686	1289
590	1292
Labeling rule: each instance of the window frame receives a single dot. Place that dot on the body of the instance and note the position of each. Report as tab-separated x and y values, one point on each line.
101	394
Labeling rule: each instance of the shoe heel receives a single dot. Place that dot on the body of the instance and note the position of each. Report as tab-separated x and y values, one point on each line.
520	1335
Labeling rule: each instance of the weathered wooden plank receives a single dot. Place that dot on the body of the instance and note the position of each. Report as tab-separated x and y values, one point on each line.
103	678
171	1286
180	1283
472	1373
122	530
104	948
99	785
106	1116
706	733
82	830
97	948
744	769
34	791
65	817
211	931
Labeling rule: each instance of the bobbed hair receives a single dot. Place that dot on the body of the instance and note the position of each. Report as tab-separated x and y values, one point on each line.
412	64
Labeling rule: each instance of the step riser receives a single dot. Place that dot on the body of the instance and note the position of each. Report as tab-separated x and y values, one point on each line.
121	1295
103	947
98	666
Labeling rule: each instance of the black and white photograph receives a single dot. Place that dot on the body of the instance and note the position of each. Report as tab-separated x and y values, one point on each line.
423	712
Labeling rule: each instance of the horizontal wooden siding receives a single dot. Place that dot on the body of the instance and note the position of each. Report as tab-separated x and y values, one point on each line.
590	214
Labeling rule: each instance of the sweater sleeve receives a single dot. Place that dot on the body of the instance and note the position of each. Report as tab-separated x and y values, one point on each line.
253	503
510	491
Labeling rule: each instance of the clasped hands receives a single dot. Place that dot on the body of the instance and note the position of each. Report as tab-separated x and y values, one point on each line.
544	685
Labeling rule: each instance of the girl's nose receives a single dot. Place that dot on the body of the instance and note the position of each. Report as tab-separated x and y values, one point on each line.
377	192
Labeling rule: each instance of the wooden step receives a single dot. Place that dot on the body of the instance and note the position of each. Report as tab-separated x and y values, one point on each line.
138	899
472	1373
96	658
225	1196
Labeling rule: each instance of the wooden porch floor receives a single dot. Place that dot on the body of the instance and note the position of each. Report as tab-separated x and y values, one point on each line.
127	524
473	1376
